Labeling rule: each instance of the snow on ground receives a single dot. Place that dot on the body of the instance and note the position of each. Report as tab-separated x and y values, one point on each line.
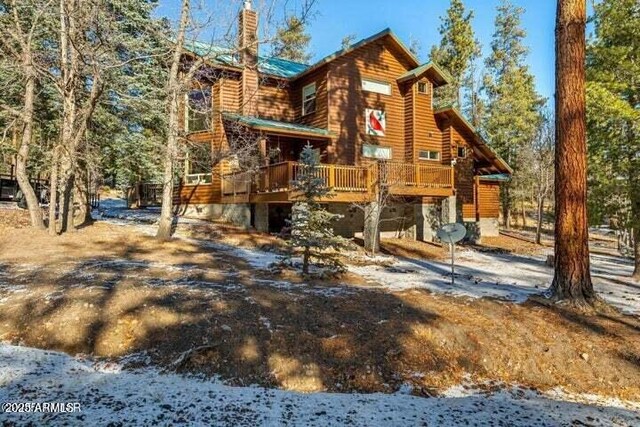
506	276
107	394
499	275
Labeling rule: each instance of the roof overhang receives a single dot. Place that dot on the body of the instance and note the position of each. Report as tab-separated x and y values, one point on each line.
487	160
497	177
431	70
384	33
279	127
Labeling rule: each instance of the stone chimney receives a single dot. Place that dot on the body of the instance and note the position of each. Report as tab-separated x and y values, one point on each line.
248	44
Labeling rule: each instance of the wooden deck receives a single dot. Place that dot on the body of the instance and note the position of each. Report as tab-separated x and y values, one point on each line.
353	184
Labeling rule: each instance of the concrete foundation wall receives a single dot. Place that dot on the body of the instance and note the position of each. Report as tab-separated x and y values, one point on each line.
261	217
398	221
352	220
489	227
237	214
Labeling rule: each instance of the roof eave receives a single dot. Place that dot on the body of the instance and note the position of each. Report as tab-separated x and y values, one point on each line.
437	74
263	127
493	157
339	53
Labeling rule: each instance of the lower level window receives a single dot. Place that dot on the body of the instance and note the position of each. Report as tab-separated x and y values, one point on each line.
198	164
429	155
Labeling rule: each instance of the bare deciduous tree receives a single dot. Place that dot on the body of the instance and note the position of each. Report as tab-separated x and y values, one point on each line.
18	35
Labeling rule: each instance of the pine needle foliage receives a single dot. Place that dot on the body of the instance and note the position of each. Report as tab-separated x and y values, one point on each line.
311	224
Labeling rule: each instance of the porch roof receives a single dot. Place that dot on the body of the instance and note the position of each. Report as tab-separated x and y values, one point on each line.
275	126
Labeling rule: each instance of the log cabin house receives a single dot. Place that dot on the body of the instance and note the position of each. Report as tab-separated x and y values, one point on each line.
368	110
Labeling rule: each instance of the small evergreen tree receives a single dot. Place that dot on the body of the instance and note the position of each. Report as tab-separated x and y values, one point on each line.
311	224
292	41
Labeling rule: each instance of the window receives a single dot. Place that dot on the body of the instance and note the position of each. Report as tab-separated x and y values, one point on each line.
462	152
198	164
376	87
429	155
198	115
423	87
376	152
309	99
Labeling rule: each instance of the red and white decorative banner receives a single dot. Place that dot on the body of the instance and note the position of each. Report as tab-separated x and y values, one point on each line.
376	122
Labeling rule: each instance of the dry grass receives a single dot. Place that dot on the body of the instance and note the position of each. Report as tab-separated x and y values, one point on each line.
168	298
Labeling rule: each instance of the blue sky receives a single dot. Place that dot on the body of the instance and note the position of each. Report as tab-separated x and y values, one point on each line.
420	19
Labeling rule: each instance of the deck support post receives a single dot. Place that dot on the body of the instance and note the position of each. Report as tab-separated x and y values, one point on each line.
449	211
427	221
261	218
371	232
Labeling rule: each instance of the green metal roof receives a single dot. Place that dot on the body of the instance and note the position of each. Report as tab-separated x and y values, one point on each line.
290	69
266	124
268	65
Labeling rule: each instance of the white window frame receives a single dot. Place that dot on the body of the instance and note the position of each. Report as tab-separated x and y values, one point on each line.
195	178
376	86
426	86
309	95
371	151
429	155
466	152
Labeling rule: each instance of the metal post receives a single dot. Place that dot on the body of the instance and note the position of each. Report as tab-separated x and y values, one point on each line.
453	258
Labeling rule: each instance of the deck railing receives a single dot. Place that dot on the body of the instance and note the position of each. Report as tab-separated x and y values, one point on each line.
341	178
415	175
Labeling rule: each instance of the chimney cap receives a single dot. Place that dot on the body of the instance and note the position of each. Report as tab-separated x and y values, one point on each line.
247	4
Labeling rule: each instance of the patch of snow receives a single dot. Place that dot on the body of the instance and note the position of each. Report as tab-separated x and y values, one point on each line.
326	291
256	258
109	394
498	275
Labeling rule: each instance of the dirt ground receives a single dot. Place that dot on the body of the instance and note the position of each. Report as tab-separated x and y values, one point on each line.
112	292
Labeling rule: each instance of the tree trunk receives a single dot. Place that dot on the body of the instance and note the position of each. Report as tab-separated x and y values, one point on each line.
572	280
67	211
53	191
540	217
636	254
305	261
524	215
506	207
83	195
22	176
173	87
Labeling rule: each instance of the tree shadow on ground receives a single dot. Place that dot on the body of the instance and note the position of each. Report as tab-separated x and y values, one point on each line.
114	297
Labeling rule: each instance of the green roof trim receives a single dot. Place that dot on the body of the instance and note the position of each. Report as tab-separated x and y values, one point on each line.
417	72
496	177
274	125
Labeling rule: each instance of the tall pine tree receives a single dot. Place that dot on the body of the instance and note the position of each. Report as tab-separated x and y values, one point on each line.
292	41
456	53
572	279
613	118
513	106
